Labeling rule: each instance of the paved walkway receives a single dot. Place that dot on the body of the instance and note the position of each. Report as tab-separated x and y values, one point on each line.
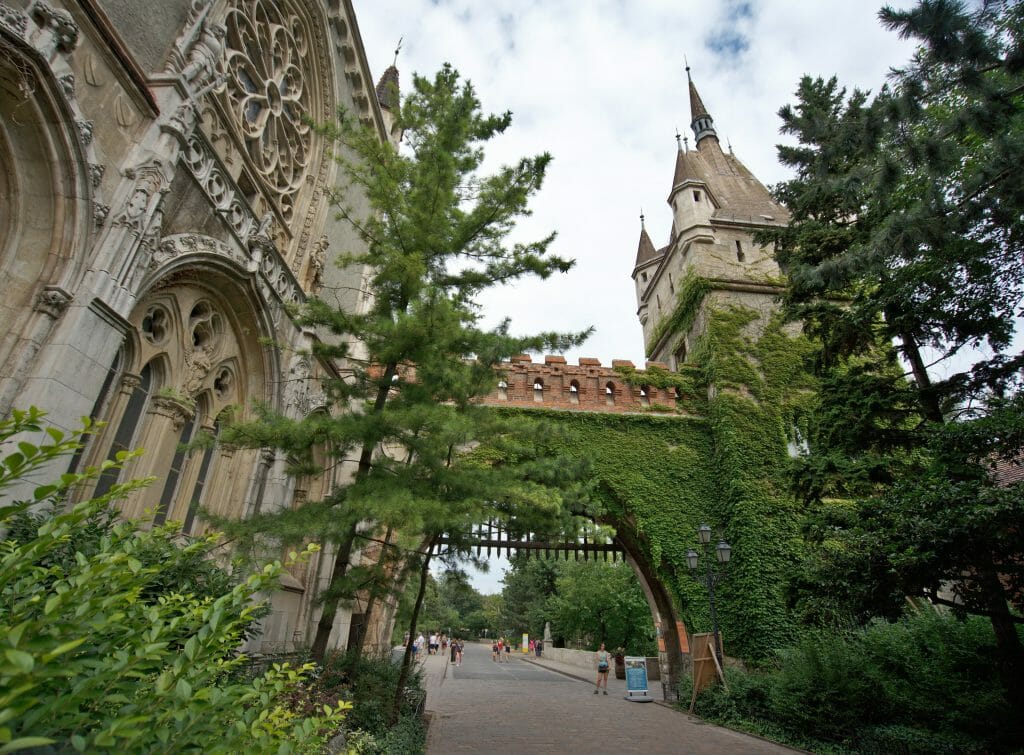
527	707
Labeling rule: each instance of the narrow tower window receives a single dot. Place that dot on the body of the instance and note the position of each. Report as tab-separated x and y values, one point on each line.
739	251
696	196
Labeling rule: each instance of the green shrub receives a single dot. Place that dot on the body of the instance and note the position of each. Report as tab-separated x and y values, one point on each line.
368	683
97	653
926	683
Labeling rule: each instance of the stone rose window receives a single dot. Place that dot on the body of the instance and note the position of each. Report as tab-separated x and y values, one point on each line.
267	59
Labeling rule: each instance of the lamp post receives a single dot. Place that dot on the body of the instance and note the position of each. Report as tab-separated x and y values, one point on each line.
710	578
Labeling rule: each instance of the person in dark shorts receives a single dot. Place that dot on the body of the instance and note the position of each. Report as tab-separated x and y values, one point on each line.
603	658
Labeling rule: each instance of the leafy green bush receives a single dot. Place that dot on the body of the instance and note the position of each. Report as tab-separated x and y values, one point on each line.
98	653
368	683
926	683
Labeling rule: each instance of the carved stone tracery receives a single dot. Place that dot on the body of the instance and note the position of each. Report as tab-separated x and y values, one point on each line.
269	92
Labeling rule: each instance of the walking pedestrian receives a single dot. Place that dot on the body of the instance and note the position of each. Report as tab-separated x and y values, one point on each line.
508	652
494	650
453	645
539	647
533	645
459	644
603	658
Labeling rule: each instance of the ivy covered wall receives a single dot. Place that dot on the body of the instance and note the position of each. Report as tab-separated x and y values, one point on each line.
662	476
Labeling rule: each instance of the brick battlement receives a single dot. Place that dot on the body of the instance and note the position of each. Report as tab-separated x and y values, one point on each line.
587	386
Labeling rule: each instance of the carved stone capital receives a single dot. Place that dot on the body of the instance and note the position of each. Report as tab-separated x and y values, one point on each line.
174	408
52	301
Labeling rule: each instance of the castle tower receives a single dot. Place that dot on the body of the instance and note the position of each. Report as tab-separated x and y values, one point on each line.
717	206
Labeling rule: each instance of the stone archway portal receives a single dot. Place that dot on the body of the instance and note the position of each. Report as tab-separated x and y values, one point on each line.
624	545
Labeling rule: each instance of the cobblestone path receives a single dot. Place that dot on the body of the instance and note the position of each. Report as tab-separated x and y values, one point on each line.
521	707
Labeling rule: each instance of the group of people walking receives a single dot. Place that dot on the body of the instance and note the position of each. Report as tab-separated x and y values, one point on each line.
501	649
436	643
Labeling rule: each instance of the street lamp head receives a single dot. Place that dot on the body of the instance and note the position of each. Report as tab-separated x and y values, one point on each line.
691	559
704	533
723	551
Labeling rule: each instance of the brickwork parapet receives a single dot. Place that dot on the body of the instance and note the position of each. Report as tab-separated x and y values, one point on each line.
586	386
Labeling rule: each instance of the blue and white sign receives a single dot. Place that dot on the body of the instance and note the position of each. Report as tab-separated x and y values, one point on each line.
636	680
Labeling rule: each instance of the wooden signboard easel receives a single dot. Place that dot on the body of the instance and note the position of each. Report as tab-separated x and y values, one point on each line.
706	667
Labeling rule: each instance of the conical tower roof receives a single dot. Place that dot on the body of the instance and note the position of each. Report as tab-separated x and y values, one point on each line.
701	122
387	89
645	251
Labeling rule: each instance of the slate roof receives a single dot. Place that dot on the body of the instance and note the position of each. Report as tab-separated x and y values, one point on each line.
387	89
737	192
645	251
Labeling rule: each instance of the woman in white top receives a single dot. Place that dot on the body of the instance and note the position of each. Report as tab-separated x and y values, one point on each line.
603	658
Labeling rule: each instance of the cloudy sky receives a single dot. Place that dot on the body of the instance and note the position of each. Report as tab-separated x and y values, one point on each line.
601	85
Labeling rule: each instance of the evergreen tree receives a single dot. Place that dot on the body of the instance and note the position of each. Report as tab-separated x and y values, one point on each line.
412	365
906	234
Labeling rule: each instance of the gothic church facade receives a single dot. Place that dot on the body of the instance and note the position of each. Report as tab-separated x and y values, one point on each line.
163	201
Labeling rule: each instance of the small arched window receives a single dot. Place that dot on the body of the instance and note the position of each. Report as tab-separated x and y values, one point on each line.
503	390
574	392
645	395
609	393
538	390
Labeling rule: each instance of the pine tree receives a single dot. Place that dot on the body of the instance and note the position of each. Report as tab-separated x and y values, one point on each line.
906	234
412	365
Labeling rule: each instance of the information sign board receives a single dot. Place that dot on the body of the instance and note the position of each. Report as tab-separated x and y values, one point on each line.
636	679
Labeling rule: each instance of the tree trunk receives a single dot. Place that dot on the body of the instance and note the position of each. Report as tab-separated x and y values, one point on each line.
403	675
1008	645
927	399
330	609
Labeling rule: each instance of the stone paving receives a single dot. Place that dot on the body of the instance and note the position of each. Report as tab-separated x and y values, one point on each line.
528	707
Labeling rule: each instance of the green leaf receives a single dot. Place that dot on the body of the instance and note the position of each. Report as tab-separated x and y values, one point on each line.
183	690
23	743
21	659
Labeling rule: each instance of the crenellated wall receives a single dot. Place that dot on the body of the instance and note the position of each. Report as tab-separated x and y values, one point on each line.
588	386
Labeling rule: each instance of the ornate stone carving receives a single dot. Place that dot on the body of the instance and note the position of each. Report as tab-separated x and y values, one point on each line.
52	301
84	131
99	213
67	84
149	181
96	171
13	20
269	93
59	22
317	260
204	56
175	408
300	397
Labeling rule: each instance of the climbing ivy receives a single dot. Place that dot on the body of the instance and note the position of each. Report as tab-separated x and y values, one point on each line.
662	476
692	291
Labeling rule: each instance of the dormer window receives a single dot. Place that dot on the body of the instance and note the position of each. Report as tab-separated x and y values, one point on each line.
696	196
643	277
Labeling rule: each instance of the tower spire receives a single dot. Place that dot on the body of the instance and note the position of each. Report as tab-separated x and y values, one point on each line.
701	122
